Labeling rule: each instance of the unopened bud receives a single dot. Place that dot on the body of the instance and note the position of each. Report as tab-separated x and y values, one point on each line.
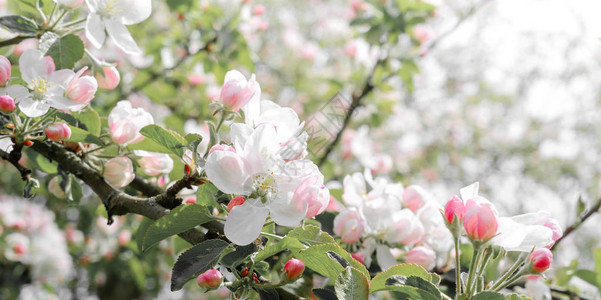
294	268
210	279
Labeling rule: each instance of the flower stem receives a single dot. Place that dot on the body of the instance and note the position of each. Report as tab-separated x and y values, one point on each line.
275	236
457	267
509	272
60	17
473	269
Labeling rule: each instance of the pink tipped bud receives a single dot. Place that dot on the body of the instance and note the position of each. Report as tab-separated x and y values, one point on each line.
294	268
7	104
237	91
58	131
191	200
5	68
422	256
210	279
81	89
540	260
359	257
454	210
110	79
119	171
235	202
349	225
480	220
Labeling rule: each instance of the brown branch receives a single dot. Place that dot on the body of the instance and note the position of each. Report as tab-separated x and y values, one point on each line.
115	201
15	40
13	158
578	222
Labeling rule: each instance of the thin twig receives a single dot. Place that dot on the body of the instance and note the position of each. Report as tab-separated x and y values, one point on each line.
578	222
15	40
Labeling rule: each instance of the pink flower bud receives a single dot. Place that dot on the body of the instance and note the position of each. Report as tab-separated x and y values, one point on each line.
414	197
5	68
81	89
7	104
349	225
191	200
294	268
58	131
210	279
454	210
540	260
481	219
422	256
359	257
154	164
314	194
237	91
125	123
119	171
124	238
110	79
235	202
259	10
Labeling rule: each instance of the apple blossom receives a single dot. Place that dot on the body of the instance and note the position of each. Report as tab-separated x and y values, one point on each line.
210	279
422	256
154	164
540	260
119	171
294	268
112	16
81	89
7	104
349	225
314	193
5	70
255	169
125	123
359	257
237	91
405	228
58	131
414	197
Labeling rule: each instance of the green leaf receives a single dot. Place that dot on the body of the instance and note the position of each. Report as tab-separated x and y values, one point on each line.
180	5
588	276
39	162
311	235
196	260
80	135
66	51
379	282
423	284
19	24
139	236
165	137
90	119
192	140
149	145
180	219
488	296
287	243
206	194
138	271
325	260
241	253
516	297
351	284
409	292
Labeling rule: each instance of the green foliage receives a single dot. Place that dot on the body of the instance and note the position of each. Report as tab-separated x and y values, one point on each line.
66	51
88	120
488	296
329	260
165	137
83	136
142	228
287	243
351	284
381	281
196	260
19	24
310	235
180	219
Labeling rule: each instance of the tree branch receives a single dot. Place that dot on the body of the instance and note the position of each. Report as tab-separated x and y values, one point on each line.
15	40
578	222
13	158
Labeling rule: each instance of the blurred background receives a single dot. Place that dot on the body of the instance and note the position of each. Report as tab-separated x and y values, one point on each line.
506	93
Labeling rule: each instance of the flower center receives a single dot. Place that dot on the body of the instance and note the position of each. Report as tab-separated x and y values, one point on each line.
264	187
40	88
109	8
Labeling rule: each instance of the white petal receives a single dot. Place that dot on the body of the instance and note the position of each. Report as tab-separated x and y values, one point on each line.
92	5
95	30
33	108
17	91
61	78
239	133
244	223
469	191
121	37
32	65
227	172
384	257
252	109
285	211
134	11
261	149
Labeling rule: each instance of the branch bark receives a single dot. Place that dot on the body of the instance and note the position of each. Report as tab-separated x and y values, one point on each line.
578	222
